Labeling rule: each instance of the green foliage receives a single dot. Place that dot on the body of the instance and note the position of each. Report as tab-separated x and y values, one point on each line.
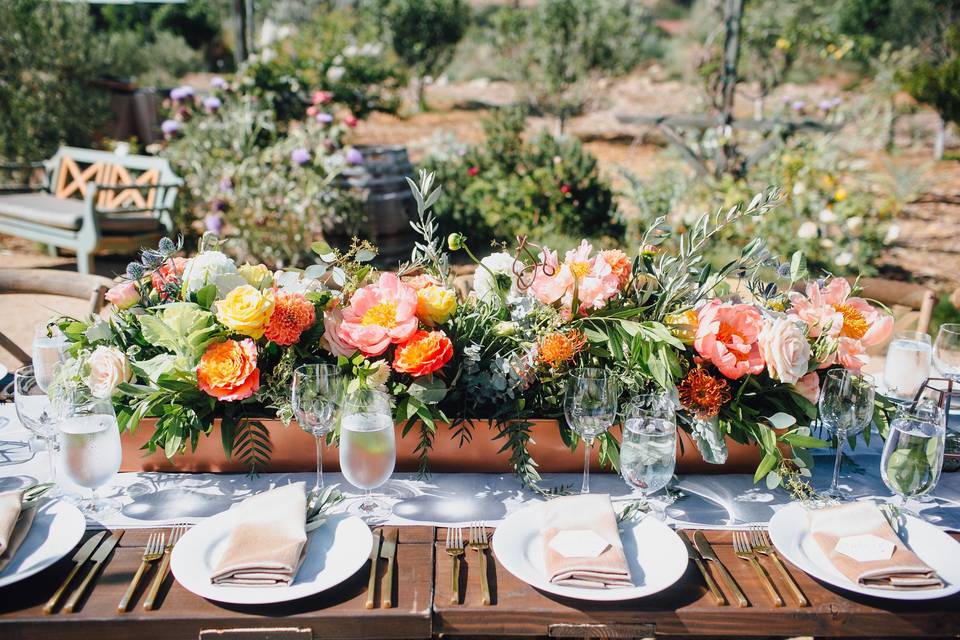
508	186
196	21
159	62
900	23
935	79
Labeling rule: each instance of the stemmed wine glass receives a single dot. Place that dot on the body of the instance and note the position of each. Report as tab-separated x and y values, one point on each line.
913	452
590	406
368	448
946	350
49	349
316	397
846	407
35	413
648	453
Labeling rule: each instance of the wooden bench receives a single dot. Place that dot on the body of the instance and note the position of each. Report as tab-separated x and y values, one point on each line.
91	202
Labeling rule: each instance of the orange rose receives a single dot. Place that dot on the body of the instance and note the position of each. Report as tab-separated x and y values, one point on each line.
228	370
424	353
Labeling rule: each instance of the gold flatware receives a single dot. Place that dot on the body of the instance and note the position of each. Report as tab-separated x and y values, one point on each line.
707	552
79	559
372	581
98	558
175	533
761	544
744	551
711	585
455	551
480	542
151	553
388	551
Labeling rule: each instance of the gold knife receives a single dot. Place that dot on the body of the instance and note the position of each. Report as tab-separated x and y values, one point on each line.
708	554
98	558
695	556
79	559
388	551
372	582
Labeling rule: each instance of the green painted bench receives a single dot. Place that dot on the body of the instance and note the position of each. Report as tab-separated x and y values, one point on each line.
91	202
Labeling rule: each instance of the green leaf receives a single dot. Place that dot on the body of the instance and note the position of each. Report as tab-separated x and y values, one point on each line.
767	464
798	266
428	390
782	420
773	480
804	442
206	296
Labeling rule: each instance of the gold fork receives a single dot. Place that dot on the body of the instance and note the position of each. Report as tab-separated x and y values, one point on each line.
480	542
456	551
761	544
151	553
175	532
744	551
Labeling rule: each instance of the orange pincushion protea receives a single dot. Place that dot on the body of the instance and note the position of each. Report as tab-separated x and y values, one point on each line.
557	348
292	315
424	353
702	393
228	370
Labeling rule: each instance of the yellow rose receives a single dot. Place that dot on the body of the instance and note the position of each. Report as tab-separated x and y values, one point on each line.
435	305
683	326
256	275
246	311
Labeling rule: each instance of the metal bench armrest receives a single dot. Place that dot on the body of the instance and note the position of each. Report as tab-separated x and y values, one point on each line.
137	187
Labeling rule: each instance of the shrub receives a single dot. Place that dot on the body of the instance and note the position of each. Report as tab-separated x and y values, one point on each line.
160	62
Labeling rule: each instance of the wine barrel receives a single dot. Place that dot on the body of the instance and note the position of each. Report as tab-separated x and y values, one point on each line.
388	204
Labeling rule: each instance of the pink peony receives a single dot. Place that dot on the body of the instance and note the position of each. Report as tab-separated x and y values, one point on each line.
592	277
727	336
379	315
809	387
123	295
332	319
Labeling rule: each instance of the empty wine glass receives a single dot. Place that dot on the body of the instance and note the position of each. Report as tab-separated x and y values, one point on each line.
913	452
648	453
49	350
908	364
316	396
36	414
846	407
368	448
590	406
946	350
89	451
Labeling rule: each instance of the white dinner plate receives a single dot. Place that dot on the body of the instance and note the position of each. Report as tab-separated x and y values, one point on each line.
790	534
56	530
656	556
336	550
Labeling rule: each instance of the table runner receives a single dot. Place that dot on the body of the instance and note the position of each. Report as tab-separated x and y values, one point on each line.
706	501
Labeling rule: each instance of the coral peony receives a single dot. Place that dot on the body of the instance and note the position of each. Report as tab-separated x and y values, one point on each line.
619	263
592	278
166	279
435	305
228	370
246	310
425	353
292	315
727	336
379	315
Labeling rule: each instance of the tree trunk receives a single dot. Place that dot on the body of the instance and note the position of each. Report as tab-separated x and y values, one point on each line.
732	17
421	93
891	132
939	139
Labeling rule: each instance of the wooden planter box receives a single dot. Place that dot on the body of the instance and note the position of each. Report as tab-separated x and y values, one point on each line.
294	450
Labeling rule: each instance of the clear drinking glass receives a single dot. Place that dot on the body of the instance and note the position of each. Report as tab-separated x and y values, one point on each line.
908	364
36	414
648	452
89	451
368	448
846	407
316	397
913	453
49	350
946	350
590	406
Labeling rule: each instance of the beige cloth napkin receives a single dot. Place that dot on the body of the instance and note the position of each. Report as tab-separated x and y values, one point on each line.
902	570
269	541
14	525
571	515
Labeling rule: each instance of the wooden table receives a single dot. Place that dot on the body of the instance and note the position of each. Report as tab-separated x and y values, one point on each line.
424	609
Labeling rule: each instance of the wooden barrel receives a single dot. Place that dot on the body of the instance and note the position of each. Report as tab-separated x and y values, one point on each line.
387	202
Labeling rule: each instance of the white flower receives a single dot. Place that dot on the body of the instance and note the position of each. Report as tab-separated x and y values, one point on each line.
108	368
784	347
799	188
854	223
335	73
212	267
378	379
807	230
844	259
494	274
893	232
827	216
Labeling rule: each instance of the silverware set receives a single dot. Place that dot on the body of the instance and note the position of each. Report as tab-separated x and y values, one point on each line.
95	550
384	548
477	539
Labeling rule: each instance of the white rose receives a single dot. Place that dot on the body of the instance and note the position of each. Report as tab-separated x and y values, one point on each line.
212	267
807	230
108	368
785	349
486	283
827	216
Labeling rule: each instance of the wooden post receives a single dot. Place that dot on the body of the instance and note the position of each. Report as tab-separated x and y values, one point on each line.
732	16
240	49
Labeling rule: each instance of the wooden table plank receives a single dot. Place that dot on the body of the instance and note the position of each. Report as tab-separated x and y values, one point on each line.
685	609
337	613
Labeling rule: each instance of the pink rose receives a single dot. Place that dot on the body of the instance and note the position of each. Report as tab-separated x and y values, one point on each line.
785	349
379	315
331	339
727	336
108	368
123	295
809	387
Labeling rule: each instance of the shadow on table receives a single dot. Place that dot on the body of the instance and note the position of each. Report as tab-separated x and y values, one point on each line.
434	504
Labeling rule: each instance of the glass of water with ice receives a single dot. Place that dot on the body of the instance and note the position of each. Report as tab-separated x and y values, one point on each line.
913	452
908	364
648	452
368	448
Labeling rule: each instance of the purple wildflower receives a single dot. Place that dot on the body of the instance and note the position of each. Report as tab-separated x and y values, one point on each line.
219	204
300	156
354	156
170	128
324	118
226	184
212	104
181	93
798	105
214	223
218	83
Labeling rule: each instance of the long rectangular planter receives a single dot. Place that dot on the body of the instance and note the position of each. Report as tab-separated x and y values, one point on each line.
294	450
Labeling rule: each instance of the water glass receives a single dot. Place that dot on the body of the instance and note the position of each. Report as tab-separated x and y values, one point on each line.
316	397
49	350
908	364
368	448
846	408
590	406
946	350
648	452
36	414
913	453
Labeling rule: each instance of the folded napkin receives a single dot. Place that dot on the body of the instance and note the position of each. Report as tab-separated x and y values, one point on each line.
858	540
581	543
268	542
14	525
